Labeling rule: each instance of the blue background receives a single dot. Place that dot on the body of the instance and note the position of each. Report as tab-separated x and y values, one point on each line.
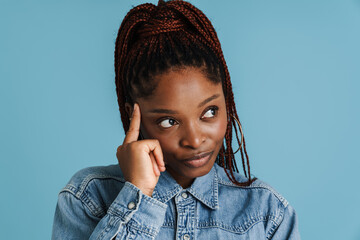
295	71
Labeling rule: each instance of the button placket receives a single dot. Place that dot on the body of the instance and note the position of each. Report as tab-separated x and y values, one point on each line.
185	205
184	195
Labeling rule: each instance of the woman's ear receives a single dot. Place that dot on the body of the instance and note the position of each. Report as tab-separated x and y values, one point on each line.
129	109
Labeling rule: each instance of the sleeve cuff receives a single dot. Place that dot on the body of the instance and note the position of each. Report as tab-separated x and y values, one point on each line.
141	210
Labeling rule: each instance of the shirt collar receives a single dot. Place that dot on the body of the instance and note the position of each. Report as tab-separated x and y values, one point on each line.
204	188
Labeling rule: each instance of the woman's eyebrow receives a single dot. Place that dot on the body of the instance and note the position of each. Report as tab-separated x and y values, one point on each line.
161	110
168	111
208	100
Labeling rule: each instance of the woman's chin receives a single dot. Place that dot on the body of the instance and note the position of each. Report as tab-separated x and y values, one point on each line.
188	171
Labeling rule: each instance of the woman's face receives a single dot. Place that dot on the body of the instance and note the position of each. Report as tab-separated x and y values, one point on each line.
187	114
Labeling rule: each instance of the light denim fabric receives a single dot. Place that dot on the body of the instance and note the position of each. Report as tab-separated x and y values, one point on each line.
98	203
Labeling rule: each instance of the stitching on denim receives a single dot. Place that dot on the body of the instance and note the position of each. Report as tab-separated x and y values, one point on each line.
259	186
92	206
151	232
213	204
80	193
208	203
126	217
276	222
146	198
117	210
73	187
236	229
120	214
167	224
155	202
216	190
86	203
69	188
112	221
168	196
85	182
91	177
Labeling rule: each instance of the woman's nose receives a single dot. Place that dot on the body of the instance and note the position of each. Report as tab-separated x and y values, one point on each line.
192	136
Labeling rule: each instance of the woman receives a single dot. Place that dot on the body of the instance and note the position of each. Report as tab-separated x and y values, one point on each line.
178	176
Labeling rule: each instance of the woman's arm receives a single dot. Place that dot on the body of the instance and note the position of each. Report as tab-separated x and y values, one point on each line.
288	227
132	215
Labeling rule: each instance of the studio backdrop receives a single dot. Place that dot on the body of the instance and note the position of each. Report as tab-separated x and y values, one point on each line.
295	68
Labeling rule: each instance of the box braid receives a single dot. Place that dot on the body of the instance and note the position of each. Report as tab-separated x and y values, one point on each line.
174	35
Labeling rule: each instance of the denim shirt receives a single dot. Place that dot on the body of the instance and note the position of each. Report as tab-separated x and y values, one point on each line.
98	203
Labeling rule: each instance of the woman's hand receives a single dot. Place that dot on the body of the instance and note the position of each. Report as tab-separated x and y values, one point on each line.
140	161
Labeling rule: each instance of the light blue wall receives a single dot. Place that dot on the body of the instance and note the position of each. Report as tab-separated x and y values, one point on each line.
295	71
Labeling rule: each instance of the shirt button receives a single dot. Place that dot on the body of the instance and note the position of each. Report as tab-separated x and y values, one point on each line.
131	205
186	237
184	195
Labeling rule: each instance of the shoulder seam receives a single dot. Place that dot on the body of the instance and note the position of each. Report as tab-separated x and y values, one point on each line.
84	203
78	191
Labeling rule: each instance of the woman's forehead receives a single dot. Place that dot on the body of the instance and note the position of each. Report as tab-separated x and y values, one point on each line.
183	88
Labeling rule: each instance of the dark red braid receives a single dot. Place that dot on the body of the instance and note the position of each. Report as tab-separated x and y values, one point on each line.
153	39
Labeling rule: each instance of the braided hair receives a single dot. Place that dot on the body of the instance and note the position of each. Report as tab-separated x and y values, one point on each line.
174	34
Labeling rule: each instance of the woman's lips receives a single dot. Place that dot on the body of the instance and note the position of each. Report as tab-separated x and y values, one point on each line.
197	160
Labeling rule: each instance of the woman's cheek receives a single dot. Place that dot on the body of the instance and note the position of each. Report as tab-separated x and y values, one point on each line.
167	141
168	144
218	130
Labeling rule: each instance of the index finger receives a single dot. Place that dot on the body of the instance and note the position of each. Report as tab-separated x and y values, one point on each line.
132	134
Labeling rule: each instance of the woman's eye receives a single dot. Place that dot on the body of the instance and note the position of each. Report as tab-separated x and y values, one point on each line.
210	113
167	123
